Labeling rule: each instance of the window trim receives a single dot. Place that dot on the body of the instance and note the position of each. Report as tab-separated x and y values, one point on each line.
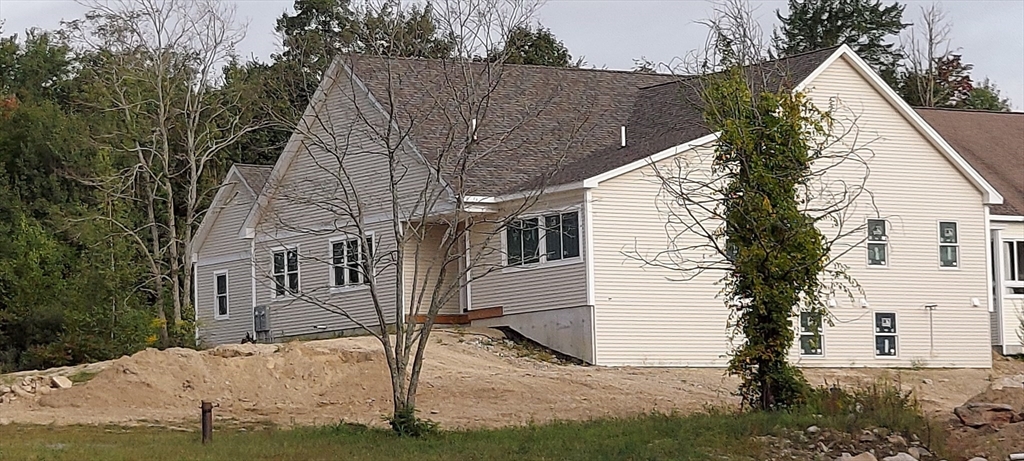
330	262
938	238
298	272
227	295
868	242
1008	270
875	334
801	334
542	241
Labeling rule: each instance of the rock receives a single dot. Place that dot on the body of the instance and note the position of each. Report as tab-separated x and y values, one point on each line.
4	421
1009	382
5	390
979	458
861	457
927	381
60	382
901	456
976	414
917	452
897	439
813	430
20	391
867	436
43	390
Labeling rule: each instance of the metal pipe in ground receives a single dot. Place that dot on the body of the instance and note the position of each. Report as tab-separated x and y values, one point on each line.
207	420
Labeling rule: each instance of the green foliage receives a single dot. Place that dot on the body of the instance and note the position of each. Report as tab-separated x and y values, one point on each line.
946	84
764	152
986	97
864	25
405	423
526	45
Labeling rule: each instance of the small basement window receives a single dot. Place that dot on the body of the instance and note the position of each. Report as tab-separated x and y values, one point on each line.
878	242
886	334
350	261
949	244
220	285
286	271
811	334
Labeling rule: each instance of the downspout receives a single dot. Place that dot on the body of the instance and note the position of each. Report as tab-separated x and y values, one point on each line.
252	279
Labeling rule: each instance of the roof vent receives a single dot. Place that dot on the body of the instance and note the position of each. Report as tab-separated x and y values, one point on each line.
623	144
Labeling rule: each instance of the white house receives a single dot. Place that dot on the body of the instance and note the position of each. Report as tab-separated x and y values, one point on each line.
565	272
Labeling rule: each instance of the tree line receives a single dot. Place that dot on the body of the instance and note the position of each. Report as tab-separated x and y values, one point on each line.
116	130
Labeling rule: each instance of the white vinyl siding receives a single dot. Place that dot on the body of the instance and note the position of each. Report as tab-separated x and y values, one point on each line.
233	327
546	285
223	240
421	269
644	317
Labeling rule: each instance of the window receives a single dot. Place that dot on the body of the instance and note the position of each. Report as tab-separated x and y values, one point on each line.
529	242
1014	269
878	242
220	285
286	271
811	337
885	334
350	261
949	245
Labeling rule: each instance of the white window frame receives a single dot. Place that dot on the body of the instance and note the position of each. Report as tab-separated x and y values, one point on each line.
876	334
941	244
273	275
1008	270
802	334
216	296
868	242
542	241
331	265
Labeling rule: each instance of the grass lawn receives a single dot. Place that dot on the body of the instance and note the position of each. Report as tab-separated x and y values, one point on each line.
650	437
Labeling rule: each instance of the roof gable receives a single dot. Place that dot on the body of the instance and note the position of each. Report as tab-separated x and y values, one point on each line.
993	143
253	179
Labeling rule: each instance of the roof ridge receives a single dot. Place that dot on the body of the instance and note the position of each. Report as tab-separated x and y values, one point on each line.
538	66
762	63
968	110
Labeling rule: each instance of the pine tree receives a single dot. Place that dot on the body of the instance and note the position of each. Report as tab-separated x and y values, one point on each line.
539	46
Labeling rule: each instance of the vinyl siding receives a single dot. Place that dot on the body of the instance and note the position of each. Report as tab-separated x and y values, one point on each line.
213	331
554	285
340	162
1013	305
422	265
641	318
223	238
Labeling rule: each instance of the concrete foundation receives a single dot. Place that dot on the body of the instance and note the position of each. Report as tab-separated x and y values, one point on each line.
569	331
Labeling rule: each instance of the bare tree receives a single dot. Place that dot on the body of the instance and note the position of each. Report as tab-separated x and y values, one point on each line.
933	74
396	170
160	63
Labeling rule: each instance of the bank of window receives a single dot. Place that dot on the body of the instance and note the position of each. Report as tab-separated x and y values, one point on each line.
286	271
811	334
552	237
220	285
949	244
878	243
1014	270
350	261
886	336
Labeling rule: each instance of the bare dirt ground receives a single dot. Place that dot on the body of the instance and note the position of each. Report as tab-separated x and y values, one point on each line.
471	379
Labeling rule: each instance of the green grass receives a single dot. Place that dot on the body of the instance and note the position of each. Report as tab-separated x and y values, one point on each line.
715	434
82	376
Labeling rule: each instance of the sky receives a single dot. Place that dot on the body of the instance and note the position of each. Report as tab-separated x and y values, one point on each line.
613	33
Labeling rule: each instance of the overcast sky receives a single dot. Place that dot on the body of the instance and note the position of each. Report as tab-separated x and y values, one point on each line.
612	33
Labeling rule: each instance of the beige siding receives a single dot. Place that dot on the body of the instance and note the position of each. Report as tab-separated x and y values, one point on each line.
223	238
1012	310
554	285
340	163
643	319
423	261
232	329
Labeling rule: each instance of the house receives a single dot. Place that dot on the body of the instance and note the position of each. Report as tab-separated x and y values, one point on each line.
993	142
557	174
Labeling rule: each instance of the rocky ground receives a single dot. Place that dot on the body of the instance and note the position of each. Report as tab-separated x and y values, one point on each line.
476	379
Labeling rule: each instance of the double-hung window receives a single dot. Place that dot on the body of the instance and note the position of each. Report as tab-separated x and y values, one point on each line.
885	334
1014	268
551	237
949	244
878	243
350	261
286	271
220	299
811	334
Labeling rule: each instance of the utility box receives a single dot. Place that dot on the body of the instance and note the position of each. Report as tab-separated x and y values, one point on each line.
261	324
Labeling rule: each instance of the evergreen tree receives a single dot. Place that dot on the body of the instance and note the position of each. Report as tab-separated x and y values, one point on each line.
986	97
526	45
864	25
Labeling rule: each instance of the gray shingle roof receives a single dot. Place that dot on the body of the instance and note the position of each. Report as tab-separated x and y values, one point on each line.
254	175
546	125
993	143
